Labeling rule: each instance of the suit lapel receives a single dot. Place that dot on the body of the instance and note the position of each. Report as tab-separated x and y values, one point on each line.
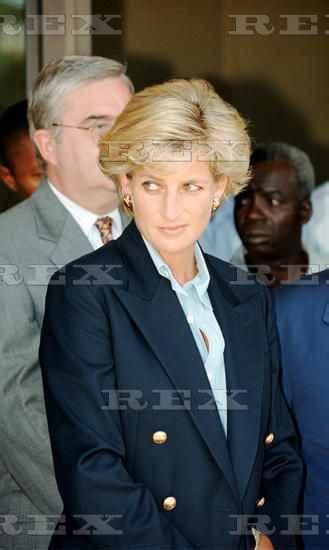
72	244
244	355
55	224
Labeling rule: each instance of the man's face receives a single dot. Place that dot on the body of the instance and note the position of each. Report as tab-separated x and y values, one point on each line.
23	173
76	152
269	213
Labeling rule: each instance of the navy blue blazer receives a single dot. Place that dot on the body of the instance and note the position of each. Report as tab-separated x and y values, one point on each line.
303	322
119	364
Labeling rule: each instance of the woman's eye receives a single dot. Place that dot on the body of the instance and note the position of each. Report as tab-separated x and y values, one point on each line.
150	185
192	187
102	127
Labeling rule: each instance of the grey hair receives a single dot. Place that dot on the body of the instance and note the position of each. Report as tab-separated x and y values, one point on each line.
295	157
60	77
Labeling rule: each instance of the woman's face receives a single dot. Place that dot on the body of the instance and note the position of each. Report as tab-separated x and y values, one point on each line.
172	205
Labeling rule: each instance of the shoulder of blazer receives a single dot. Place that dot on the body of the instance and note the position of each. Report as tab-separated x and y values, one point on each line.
17	225
11	219
128	261
42	212
99	269
304	298
233	281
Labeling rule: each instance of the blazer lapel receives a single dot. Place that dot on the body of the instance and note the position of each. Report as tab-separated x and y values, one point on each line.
165	329
244	354
73	239
56	225
71	245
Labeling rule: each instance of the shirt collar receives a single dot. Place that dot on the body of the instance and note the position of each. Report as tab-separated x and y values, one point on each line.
84	217
200	281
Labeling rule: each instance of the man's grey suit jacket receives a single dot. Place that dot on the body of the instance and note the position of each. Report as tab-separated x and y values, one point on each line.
36	238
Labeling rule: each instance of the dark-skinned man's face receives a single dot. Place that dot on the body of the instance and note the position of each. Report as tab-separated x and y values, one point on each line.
269	213
23	173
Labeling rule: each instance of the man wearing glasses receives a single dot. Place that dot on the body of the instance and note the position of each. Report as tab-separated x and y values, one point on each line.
75	210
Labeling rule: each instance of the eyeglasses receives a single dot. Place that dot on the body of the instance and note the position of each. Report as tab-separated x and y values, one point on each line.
96	131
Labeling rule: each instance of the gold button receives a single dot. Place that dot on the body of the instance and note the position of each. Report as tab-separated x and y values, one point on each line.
260	502
269	439
169	503
159	437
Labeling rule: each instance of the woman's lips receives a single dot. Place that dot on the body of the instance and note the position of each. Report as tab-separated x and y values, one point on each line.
171	230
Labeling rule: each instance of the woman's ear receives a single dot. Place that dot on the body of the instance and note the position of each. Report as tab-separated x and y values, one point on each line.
221	185
125	183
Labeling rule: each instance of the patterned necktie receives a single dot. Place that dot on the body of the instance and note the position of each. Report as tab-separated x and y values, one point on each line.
104	226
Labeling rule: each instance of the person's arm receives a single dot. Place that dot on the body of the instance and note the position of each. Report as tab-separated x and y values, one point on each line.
24	448
78	362
282	471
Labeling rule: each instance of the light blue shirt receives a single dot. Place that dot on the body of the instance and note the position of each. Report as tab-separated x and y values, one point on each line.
194	299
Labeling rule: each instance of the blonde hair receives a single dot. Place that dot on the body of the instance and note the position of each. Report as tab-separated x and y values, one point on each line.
168	122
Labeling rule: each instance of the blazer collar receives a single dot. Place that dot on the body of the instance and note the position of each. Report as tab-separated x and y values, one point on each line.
144	282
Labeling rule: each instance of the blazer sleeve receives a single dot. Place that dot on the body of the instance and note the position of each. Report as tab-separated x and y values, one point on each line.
282	470
78	363
24	449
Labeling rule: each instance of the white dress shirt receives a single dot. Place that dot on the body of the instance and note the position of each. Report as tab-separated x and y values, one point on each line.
315	232
86	220
195	302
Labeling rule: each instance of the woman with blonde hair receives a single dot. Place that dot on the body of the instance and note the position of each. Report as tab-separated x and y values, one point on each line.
160	370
